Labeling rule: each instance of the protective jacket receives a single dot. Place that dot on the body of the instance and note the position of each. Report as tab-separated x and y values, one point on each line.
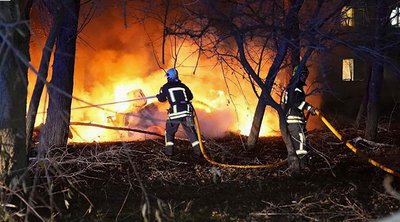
295	104
178	96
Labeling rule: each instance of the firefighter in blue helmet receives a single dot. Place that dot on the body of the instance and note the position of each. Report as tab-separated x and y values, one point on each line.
179	97
295	105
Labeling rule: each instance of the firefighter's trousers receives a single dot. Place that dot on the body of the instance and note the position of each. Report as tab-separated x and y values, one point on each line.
297	134
189	127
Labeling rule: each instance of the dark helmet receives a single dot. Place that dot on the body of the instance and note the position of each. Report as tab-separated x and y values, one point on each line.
303	74
172	74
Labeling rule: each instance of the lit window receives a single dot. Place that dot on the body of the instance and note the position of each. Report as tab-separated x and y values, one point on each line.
348	70
347	16
395	17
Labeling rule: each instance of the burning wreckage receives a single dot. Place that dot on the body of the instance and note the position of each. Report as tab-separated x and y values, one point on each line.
140	116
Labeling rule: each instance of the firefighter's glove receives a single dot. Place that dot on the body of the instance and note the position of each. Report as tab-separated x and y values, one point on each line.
313	110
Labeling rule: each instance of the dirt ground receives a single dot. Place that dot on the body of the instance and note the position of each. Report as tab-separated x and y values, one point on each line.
135	181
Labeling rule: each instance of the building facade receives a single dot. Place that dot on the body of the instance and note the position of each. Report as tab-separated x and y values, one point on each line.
346	68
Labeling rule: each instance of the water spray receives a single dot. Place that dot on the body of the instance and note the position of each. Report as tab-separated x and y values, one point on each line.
113	103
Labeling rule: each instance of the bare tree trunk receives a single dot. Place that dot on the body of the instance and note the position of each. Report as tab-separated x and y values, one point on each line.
375	84
361	111
43	71
56	128
261	104
374	92
268	84
14	56
295	46
364	102
257	122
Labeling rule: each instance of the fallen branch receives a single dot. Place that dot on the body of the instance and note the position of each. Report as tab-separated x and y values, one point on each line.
115	128
335	143
371	143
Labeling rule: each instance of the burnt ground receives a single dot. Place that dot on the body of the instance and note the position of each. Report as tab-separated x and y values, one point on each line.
132	181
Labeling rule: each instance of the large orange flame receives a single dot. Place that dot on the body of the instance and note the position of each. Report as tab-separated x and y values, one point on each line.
120	62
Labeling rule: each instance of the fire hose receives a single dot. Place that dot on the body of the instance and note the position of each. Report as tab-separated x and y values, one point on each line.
273	165
354	149
266	166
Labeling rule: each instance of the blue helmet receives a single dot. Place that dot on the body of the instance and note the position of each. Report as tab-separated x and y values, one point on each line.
172	74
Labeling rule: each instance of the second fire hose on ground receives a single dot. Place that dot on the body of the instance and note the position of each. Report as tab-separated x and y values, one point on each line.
280	163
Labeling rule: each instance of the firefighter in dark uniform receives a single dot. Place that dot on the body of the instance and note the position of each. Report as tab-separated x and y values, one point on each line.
179	97
295	105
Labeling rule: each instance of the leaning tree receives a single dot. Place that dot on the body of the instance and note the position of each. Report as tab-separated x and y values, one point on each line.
57	18
56	128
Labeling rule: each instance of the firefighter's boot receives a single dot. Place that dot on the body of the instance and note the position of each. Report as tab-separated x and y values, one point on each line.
168	150
196	150
303	161
294	165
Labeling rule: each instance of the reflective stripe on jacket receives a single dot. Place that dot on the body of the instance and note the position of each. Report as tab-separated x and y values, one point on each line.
294	100
178	96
